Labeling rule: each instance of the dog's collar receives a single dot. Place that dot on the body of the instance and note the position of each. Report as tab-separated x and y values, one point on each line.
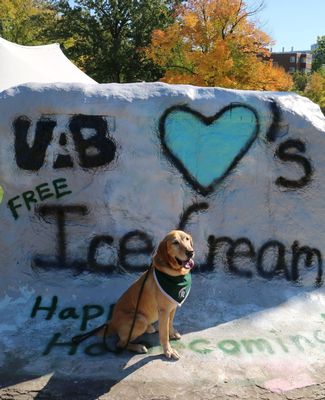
176	288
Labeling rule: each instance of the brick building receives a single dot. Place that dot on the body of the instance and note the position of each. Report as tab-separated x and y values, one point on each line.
293	61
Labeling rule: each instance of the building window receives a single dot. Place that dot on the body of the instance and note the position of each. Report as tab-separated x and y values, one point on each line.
293	59
303	59
292	69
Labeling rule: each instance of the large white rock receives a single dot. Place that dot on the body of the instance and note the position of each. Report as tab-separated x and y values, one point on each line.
94	176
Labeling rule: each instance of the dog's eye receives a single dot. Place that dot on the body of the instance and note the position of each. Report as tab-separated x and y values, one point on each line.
175	242
187	238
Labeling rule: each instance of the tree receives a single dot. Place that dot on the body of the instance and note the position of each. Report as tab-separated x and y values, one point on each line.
315	89
21	21
319	54
311	85
321	71
106	38
214	43
300	80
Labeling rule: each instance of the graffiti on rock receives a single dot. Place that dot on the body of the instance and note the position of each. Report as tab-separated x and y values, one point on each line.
285	154
205	149
127	252
56	189
50	310
95	149
258	347
269	260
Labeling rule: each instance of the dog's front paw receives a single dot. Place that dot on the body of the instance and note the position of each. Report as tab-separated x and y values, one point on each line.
171	353
175	335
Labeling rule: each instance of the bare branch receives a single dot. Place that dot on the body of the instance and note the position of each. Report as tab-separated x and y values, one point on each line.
182	67
246	14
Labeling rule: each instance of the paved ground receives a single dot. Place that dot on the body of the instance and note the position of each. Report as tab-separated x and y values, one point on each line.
146	390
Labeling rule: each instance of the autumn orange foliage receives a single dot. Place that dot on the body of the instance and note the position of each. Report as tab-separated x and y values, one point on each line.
213	43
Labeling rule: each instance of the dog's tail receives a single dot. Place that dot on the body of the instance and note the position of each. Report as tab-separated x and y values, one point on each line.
80	338
102	330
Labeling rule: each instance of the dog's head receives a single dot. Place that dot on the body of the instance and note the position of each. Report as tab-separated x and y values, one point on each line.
176	252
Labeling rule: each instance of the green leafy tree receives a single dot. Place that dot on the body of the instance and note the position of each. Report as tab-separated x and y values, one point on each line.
312	86
321	71
300	81
22	21
315	89
106	38
319	54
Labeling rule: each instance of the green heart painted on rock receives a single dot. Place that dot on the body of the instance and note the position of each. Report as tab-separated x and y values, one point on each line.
206	149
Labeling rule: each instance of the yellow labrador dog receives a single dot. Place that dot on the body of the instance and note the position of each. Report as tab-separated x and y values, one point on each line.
166	287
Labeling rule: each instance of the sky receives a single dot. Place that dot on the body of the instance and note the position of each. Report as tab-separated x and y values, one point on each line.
292	23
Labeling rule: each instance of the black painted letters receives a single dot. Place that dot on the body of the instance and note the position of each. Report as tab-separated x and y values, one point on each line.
31	158
94	151
285	153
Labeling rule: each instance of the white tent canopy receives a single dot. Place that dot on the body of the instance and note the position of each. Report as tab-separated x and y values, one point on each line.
47	64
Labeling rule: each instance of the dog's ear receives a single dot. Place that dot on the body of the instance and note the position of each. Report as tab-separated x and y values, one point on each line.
161	256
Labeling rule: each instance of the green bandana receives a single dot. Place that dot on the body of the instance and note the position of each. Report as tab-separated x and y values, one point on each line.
176	288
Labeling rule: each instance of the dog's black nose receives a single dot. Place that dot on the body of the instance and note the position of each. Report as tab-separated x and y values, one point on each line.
189	253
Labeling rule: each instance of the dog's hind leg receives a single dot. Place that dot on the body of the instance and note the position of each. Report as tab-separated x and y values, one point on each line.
140	327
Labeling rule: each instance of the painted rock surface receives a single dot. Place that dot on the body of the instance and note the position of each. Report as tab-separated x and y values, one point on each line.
93	177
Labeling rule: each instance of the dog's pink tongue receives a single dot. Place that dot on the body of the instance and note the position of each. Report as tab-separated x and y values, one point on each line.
190	264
